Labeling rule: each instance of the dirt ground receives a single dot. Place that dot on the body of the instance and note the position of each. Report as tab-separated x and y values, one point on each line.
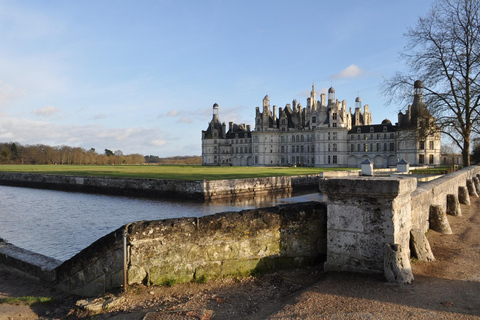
448	288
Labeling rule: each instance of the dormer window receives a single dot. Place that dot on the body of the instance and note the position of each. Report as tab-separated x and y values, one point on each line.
384	129
371	129
359	130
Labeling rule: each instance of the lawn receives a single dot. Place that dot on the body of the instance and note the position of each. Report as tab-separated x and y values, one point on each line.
178	172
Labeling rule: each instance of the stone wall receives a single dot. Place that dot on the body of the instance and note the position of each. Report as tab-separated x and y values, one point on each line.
435	193
115	186
366	214
249	187
226	244
186	249
161	188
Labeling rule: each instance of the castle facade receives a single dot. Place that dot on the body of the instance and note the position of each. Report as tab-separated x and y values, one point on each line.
323	134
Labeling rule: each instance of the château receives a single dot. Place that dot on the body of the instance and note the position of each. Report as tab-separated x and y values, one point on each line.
323	134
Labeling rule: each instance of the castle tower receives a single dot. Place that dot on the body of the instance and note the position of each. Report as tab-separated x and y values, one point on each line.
418	107
331	96
313	98
358	103
215	113
266	104
367	116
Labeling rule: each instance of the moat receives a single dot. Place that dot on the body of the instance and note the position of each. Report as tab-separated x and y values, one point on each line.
60	224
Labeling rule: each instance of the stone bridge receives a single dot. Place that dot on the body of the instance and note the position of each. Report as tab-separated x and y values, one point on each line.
363	216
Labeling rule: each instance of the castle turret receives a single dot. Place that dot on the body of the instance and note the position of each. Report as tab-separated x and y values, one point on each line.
358	103
322	100
331	95
215	113
418	107
313	98
367	116
266	105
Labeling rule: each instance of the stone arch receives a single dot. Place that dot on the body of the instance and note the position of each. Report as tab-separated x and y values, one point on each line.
378	161
352	162
235	161
392	160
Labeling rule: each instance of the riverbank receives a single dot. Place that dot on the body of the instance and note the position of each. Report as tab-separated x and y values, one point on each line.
447	288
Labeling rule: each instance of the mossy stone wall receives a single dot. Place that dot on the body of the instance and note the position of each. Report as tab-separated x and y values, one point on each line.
226	244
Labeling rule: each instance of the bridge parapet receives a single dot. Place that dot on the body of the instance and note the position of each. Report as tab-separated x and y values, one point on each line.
363	215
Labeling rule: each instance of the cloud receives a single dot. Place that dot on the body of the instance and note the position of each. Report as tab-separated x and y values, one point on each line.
173	113
46	111
129	140
185	120
352	71
99	116
8	93
158	142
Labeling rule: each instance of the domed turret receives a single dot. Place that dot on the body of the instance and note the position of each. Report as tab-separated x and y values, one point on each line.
331	95
386	122
215	112
358	103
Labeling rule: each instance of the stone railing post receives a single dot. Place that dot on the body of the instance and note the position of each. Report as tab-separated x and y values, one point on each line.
363	215
471	188
463	196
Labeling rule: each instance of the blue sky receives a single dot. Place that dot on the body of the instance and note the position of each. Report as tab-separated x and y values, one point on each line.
142	76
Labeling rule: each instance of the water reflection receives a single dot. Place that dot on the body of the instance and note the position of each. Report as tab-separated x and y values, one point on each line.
60	224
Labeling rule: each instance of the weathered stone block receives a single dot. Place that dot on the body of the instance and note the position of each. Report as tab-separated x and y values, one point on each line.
438	220
419	246
453	205
345	217
397	266
166	275
115	280
91	288
463	196
94	271
239	267
471	188
210	270
136	274
476	182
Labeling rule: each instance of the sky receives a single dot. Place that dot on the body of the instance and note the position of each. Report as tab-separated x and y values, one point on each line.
142	76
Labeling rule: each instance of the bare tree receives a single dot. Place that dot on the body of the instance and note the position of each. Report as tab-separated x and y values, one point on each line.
443	51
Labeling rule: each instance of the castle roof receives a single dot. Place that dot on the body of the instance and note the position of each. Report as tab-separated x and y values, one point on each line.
377	128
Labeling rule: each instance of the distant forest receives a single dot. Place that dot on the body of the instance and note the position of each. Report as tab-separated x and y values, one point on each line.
15	153
174	160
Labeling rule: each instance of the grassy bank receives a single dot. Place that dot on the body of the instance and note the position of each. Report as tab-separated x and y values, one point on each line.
187	172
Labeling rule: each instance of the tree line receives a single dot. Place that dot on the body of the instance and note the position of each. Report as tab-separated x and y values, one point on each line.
15	153
187	160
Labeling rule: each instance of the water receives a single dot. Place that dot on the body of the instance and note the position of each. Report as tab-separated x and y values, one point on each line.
60	224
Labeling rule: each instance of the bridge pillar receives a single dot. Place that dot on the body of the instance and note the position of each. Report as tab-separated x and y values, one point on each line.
363	215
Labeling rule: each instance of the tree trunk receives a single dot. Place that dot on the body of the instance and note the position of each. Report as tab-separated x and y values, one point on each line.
466	152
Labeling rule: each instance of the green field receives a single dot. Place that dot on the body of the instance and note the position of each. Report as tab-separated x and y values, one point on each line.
178	172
